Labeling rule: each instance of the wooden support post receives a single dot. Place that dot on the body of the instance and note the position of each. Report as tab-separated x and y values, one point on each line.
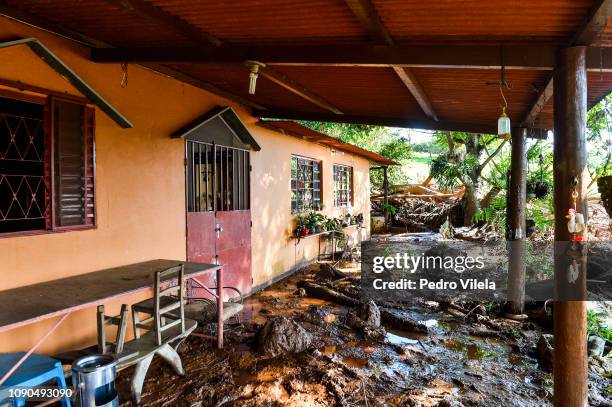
386	196
570	108
517	226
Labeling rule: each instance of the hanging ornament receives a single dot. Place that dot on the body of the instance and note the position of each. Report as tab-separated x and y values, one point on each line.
541	188
575	224
253	74
503	123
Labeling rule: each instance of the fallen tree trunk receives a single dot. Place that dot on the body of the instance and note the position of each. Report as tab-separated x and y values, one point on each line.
402	323
324	293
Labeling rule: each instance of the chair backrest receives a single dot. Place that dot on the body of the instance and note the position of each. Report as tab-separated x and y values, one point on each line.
120	321
170	285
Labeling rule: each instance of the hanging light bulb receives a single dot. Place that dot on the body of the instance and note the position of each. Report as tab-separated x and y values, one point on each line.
253	74
503	123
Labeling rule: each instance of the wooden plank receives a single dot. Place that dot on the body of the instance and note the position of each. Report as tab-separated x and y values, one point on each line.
570	352
379	121
145	9
411	82
294	87
540	57
37	302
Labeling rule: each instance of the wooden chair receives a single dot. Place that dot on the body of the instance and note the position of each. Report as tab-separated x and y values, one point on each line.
120	321
166	305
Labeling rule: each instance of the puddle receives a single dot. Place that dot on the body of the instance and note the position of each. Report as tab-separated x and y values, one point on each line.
328	350
358	363
400	338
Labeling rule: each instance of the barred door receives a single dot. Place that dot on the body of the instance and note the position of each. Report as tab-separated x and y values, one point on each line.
218	210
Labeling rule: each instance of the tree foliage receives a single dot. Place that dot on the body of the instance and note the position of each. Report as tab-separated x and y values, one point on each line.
382	140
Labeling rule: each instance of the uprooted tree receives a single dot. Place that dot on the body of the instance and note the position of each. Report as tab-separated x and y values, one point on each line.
465	161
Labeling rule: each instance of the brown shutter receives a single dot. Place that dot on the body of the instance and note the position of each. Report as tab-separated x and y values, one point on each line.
74	157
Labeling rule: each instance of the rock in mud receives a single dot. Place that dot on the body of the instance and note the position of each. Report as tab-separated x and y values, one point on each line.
596	345
545	352
282	335
370	314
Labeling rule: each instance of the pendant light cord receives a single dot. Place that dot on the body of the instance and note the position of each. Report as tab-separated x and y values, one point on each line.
503	97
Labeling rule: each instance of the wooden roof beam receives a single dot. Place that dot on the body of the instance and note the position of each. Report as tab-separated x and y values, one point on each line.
369	19
427	124
296	88
145	9
595	23
533	57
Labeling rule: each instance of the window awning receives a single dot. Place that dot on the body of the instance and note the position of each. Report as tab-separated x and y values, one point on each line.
222	126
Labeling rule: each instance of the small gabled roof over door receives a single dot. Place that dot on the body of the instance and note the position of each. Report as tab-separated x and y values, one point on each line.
221	126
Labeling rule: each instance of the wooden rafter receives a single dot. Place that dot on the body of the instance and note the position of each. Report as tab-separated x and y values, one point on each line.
369	19
55	28
294	87
531	57
145	9
595	23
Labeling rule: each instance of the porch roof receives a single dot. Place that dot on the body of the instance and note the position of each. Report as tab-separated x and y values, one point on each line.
392	62
294	129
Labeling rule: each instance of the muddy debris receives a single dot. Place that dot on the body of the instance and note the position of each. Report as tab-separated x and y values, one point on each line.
282	335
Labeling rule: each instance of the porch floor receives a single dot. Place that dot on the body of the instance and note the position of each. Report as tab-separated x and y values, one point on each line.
452	363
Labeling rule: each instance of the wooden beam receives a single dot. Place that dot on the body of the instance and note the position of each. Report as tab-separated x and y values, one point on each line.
145	9
541	101
368	17
532	57
595	24
517	197
46	25
411	82
569	152
294	87
378	121
589	31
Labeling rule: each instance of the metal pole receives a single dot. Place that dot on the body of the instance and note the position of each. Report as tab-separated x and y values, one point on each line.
570	351
516	234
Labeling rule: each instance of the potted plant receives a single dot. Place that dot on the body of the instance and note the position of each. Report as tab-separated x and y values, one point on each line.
359	219
314	221
301	228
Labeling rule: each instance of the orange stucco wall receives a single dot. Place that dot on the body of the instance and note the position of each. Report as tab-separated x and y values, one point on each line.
140	186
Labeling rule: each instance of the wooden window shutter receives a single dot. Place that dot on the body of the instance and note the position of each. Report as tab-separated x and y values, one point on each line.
74	165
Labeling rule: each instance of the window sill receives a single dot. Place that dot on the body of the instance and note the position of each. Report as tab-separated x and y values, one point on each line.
26	233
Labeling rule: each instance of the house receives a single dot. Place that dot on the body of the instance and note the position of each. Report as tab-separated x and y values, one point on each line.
80	193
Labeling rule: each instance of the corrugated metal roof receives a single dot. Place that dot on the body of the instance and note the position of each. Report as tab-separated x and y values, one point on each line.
297	130
457	95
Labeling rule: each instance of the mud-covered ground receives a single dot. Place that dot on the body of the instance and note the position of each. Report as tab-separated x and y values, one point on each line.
473	360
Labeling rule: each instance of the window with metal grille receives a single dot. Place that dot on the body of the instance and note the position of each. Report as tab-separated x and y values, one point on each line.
305	184
218	177
343	186
46	172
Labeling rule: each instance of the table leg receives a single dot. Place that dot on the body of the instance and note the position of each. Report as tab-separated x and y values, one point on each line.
220	309
138	379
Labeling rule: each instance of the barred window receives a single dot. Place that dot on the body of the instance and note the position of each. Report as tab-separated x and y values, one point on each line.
46	171
305	184
343	186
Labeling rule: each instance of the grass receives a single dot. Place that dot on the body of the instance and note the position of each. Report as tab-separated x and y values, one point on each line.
418	167
596	326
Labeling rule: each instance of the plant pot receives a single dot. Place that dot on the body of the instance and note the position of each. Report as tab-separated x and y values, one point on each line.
604	184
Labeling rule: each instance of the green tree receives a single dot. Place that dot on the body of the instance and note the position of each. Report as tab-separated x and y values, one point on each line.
381	140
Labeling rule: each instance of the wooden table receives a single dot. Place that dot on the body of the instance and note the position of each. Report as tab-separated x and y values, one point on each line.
37	302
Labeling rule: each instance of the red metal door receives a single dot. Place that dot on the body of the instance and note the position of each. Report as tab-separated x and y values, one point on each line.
234	248
218	215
